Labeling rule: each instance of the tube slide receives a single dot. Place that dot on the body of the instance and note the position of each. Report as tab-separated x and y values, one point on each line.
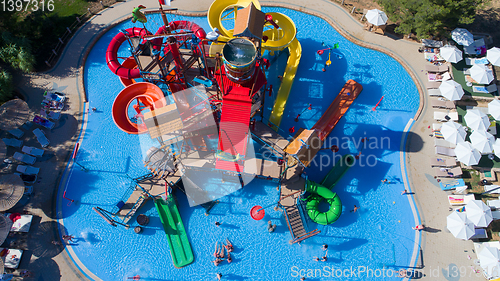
278	39
321	193
112	53
338	171
178	241
337	109
129	63
146	93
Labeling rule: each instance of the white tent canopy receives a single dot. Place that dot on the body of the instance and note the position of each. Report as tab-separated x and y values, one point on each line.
462	36
477	120
453	132
493	55
481	73
478	213
467	154
451	90
451	53
461	227
376	17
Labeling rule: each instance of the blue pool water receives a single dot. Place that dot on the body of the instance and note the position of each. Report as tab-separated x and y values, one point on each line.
378	236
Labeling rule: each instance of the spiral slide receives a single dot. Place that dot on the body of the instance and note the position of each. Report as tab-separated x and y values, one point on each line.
149	95
320	193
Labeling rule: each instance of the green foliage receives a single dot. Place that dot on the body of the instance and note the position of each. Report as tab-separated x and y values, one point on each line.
429	18
17	52
6	86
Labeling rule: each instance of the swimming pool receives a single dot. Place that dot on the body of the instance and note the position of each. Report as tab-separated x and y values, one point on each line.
378	236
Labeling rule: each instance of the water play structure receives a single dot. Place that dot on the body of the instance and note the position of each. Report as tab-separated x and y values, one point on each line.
190	78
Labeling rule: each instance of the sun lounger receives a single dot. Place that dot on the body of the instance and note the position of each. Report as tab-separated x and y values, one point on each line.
53	105
434	92
466	71
27	170
445	151
436	68
40	136
20	223
443	162
446	104
27	125
456	200
24	158
432	85
452	183
446	116
11	257
436	130
43	122
495	215
493	204
491	188
29	179
55	96
16	133
12	142
485	89
50	115
444	143
448	173
32	150
480	233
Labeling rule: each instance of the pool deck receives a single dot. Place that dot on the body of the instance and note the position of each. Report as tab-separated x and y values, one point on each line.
438	246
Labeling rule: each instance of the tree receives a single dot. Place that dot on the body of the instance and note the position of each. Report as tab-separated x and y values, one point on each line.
6	86
428	18
17	52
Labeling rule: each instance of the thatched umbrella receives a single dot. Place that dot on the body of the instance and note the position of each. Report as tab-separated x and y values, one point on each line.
11	191
13	114
3	150
5	225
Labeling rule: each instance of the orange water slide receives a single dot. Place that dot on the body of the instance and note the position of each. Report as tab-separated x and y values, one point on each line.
337	109
146	95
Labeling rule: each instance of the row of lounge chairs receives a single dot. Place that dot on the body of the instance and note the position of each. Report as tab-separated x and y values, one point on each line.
39	134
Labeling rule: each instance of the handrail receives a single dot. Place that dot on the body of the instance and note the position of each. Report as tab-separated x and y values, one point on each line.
290	195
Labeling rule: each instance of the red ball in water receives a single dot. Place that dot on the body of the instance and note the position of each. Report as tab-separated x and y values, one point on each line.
257	213
320	52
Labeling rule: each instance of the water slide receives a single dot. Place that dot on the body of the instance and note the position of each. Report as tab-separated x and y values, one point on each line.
149	95
112	53
320	193
339	170
178	241
337	109
216	14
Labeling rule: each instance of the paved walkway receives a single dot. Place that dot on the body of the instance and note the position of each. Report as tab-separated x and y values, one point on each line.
439	247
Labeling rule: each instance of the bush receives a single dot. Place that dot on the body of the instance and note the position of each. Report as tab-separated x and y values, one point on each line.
17	52
6	87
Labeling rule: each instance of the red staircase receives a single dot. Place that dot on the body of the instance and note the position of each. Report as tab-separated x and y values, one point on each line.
233	129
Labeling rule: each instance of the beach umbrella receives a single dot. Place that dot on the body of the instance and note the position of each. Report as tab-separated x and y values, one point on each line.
493	55
482	141
461	227
489	259
496	147
11	191
467	154
376	17
451	90
453	132
3	150
477	120
494	109
462	36
481	73
13	114
478	213
451	53
5	225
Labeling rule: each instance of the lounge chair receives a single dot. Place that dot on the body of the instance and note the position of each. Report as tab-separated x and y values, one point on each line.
448	173
446	116
12	257
456	200
32	150
480	233
50	115
436	130
27	125
13	142
446	104
20	223
43	122
436	68
491	188
466	71
24	158
40	136
444	151
55	96
16	133
53	105
432	85
443	162
493	204
434	92
27	170
28	179
485	89
444	143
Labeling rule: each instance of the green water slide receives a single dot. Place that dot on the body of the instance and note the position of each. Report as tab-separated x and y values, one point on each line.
320	193
338	171
178	241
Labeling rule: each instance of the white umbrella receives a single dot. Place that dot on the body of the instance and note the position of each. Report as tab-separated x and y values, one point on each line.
462	36
496	147
493	55
477	120
451	53
461	227
451	90
478	213
467	154
482	141
453	132
376	17
481	73
494	109
489	259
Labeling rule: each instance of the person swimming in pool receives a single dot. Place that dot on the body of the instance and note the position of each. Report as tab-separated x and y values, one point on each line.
229	246
217	261
229	258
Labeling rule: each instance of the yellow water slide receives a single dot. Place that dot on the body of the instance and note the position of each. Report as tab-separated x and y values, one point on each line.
278	39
